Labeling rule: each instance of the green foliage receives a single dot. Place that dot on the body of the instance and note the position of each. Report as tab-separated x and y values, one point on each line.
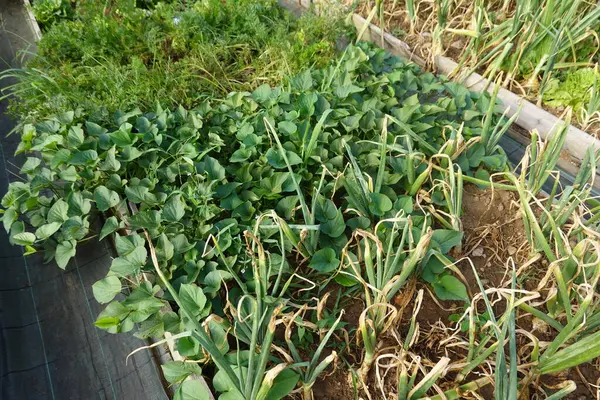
448	287
573	90
202	184
171	164
115	57
49	12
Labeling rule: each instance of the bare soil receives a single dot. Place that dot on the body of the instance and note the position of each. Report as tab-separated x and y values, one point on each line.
334	387
494	233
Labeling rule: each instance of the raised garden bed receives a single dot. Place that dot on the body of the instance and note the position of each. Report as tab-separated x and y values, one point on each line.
528	115
545	50
355	231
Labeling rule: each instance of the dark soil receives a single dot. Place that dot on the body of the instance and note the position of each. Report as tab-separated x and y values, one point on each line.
335	387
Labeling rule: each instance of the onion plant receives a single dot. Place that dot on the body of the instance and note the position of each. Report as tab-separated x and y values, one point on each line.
572	250
500	328
451	186
442	9
591	113
561	206
459	392
541	158
306	247
385	259
574	344
409	387
412	15
310	370
409	366
245	375
378	11
490	137
364	195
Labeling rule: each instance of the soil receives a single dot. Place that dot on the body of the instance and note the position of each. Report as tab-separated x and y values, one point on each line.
494	233
334	387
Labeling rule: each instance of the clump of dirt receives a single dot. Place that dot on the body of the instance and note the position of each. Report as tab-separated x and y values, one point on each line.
494	233
353	308
433	310
334	386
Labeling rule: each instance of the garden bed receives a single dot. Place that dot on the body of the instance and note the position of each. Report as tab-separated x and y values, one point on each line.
352	229
476	35
529	116
494	233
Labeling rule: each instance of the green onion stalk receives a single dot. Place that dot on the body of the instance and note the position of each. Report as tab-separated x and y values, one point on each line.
383	270
309	371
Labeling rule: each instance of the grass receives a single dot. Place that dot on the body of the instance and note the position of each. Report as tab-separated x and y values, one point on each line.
104	60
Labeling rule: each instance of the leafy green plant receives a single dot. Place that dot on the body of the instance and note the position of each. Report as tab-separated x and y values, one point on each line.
49	12
115	58
241	198
578	90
